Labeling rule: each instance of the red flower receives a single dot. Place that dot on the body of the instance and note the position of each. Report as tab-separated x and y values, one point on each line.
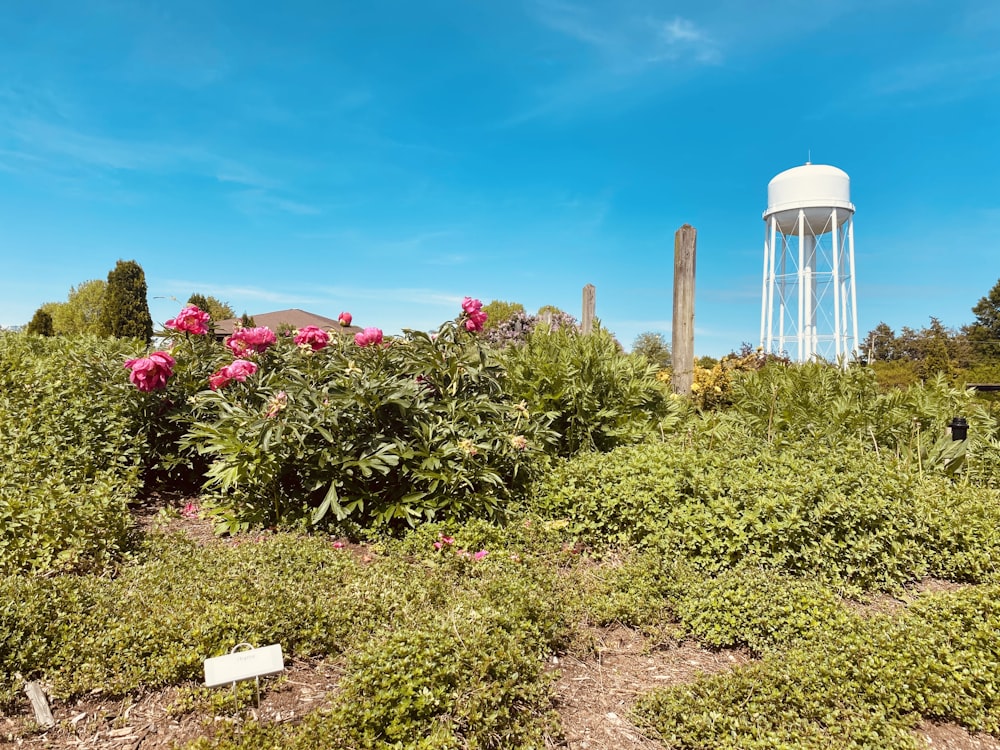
345	319
151	373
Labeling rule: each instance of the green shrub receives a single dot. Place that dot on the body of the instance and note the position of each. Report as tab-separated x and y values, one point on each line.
391	435
464	680
759	609
156	621
821	403
850	517
596	396
69	452
638	591
175	604
860	683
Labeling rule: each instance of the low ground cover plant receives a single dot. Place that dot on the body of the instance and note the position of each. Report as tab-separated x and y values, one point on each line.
860	682
852	518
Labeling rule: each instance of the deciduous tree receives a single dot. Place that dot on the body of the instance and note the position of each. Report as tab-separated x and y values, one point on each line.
216	308
654	347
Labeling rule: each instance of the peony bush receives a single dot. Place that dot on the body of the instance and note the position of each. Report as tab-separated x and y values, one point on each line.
322	430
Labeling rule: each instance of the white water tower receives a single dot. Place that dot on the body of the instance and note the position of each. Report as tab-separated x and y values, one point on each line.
809	306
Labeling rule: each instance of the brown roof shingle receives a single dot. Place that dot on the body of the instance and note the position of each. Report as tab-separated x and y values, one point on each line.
294	318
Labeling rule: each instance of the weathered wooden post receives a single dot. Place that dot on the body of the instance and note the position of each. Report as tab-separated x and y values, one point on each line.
682	345
589	304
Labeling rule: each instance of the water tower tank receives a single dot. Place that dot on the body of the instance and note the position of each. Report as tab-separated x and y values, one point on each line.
809	303
813	189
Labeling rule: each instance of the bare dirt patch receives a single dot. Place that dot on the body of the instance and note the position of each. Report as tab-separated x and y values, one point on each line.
890	604
595	695
954	737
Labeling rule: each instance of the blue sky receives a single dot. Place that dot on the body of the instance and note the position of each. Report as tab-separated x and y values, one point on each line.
389	158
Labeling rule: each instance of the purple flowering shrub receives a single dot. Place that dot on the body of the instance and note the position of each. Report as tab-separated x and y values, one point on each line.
516	329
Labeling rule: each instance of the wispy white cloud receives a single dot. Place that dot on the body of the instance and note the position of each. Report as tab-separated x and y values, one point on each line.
414	296
612	50
629	43
67	153
235	292
256	202
962	76
681	38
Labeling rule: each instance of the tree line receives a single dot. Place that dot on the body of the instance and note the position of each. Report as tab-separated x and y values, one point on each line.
116	307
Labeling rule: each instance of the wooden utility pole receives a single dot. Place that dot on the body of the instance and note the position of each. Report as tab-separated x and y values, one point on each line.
589	304
682	345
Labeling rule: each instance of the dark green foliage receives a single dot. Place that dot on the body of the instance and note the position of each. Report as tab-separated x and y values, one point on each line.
41	324
984	333
126	311
596	397
854	683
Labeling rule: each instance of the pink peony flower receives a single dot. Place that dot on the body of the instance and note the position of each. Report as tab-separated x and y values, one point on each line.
190	320
312	336
250	340
475	317
151	373
240	370
443	541
190	510
368	337
345	319
480	555
520	442
338	545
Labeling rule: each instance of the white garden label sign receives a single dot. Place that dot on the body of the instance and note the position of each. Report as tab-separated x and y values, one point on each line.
243	665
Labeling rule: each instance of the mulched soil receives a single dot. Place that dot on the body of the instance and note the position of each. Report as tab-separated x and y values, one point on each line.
595	696
594	692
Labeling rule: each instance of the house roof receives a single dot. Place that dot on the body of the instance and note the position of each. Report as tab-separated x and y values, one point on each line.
294	318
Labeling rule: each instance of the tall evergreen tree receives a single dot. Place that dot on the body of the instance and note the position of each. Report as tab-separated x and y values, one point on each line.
126	310
41	324
984	334
880	344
